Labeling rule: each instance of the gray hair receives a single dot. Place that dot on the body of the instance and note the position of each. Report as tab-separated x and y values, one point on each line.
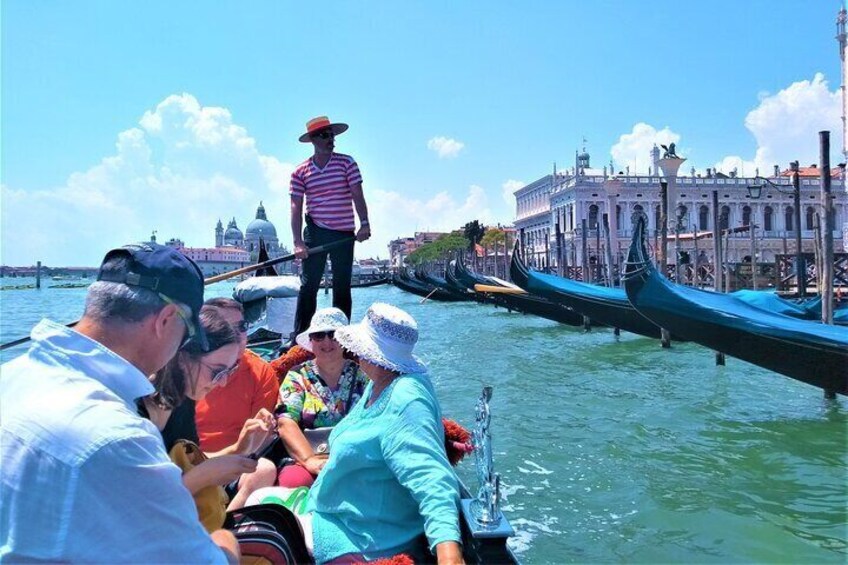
109	302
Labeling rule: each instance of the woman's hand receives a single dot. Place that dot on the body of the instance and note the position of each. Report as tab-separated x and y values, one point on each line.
220	471
256	433
314	464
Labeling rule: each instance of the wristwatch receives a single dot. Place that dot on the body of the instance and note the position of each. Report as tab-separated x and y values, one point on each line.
363	223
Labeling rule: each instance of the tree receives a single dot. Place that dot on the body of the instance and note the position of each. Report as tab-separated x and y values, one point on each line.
444	246
473	232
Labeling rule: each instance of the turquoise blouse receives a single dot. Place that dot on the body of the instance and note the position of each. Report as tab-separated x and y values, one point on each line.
388	479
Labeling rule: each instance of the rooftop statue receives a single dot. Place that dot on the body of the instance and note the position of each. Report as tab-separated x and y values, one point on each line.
669	152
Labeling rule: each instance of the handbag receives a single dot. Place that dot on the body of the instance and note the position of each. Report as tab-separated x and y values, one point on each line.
319	439
211	501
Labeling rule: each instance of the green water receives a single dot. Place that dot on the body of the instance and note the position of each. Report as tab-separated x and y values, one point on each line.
612	449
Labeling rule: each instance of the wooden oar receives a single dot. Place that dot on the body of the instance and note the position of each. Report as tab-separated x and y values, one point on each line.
222	277
432	292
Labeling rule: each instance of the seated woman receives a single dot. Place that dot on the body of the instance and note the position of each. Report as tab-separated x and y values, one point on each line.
188	377
316	394
388	482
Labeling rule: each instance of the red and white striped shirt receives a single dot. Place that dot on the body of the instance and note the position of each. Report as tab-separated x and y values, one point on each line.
329	201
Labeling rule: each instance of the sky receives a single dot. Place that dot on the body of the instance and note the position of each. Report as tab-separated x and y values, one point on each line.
120	118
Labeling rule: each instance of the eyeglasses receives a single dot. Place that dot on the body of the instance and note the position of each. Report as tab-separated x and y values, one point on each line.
191	331
324	134
319	336
243	326
219	376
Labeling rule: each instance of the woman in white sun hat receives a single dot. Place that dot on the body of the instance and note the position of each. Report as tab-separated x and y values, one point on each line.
316	394
388	480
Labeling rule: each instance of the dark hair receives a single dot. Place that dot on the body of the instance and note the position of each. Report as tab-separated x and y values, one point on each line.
225	303
170	381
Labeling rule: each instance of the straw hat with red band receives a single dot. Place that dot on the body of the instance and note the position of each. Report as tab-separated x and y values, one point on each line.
319	123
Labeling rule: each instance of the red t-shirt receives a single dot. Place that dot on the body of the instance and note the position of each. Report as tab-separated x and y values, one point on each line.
221	414
329	201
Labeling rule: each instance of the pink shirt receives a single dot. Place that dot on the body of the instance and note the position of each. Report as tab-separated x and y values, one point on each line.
328	198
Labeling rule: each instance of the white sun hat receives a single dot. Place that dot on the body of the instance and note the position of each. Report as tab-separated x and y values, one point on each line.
324	320
386	337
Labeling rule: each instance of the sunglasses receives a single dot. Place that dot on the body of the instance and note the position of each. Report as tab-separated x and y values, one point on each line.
324	134
319	336
191	331
243	326
219	376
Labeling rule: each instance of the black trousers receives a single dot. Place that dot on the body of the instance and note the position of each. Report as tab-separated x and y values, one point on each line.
313	270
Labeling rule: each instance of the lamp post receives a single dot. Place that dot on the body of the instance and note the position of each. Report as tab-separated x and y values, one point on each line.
755	192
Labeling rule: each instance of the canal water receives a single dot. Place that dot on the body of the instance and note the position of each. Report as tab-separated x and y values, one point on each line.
610	448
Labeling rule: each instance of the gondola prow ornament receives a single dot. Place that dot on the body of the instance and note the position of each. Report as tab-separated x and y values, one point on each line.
485	508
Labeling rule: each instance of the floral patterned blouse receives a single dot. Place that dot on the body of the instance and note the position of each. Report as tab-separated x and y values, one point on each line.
311	403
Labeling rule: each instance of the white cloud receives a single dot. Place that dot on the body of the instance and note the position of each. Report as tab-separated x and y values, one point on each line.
445	147
185	166
633	149
786	125
395	215
509	188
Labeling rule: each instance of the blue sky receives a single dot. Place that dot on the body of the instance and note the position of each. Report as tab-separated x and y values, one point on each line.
123	117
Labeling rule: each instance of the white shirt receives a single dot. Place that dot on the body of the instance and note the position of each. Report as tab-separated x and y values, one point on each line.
84	477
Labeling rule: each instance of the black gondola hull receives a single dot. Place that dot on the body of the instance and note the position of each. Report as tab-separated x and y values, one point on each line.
814	353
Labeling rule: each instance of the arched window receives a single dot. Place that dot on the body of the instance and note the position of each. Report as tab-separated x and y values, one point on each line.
746	215
703	218
618	216
724	218
789	218
682	211
811	212
593	216
768	221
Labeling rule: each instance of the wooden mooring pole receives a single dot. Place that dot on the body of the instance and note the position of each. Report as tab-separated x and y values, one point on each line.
826	275
38	274
717	261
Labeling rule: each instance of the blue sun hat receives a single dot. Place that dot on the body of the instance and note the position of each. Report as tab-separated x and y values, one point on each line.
386	336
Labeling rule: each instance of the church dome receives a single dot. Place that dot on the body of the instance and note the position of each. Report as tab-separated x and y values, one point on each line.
233	232
261	227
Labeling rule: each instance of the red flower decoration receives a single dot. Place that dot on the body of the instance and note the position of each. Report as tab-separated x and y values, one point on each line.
457	441
292	358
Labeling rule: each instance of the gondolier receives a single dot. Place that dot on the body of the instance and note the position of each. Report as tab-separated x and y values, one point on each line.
331	185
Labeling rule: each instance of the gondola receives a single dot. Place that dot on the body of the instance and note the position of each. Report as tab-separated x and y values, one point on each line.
426	277
607	306
358	284
405	282
524	303
814	353
483	541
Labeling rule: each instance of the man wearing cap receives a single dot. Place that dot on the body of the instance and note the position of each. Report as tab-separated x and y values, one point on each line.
331	185
85	478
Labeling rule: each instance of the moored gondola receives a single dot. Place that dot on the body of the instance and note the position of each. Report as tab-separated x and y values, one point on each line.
810	352
608	306
407	283
524	303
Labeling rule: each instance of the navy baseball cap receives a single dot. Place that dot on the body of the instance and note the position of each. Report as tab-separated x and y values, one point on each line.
163	270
